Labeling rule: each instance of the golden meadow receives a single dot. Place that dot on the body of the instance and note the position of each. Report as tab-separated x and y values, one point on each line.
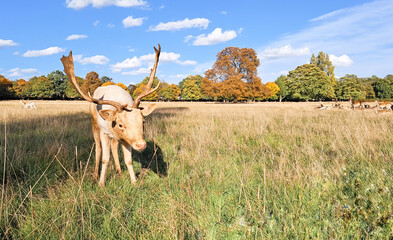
210	171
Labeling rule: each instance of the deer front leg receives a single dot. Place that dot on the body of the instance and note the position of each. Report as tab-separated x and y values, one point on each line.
105	141
97	140
115	153
128	160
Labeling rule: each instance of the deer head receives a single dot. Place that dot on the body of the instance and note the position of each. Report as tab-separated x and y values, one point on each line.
124	122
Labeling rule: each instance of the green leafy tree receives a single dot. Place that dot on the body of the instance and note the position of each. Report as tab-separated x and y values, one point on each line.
383	87
40	87
105	79
70	91
140	87
196	78
131	88
283	88
323	62
191	90
91	83
351	86
59	80
168	92
190	87
308	82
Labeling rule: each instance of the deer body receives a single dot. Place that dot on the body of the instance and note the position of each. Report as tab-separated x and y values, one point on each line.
356	104
28	106
384	105
116	117
113	93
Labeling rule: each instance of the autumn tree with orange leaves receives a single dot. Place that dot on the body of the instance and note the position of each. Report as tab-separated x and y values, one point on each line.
5	87
91	82
234	76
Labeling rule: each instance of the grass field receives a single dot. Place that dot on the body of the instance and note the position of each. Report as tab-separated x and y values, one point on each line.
210	171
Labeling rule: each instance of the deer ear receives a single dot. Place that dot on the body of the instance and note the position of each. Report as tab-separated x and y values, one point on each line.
149	109
108	115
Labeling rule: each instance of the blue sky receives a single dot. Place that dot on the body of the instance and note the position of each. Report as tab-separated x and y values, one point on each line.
115	38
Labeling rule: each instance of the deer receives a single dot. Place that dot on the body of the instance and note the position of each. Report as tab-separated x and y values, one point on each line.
116	117
383	105
356	104
28	106
324	107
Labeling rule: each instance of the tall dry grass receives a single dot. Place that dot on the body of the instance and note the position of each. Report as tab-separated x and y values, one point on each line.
211	171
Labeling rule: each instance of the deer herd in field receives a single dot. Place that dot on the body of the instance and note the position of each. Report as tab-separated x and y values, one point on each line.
377	106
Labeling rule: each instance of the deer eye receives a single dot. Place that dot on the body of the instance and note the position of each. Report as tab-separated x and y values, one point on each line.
120	125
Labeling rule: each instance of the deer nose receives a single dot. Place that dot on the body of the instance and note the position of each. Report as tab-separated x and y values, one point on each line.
141	145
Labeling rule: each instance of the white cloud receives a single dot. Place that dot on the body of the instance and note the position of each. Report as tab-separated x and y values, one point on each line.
95	24
179	76
341	61
128	63
7	43
328	15
44	52
164	57
146	62
201	68
223	12
76	36
97	59
363	32
79	4
283	52
17	72
187	62
133	22
138	72
188	38
131	50
215	37
186	23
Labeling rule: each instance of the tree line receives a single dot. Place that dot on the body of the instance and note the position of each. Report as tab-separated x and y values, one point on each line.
233	77
316	81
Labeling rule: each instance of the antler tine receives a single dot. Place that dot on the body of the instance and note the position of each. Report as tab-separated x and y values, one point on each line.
148	89
68	63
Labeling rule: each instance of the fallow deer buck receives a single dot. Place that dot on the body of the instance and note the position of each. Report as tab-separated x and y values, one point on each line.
115	118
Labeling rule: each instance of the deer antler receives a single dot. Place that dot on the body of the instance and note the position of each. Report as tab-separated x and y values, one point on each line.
148	89
68	64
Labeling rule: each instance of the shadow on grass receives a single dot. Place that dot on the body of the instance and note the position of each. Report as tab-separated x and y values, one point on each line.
152	158
30	146
167	112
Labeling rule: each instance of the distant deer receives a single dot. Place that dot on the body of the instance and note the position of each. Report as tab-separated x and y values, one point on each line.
115	118
384	105
324	107
28	106
356	104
